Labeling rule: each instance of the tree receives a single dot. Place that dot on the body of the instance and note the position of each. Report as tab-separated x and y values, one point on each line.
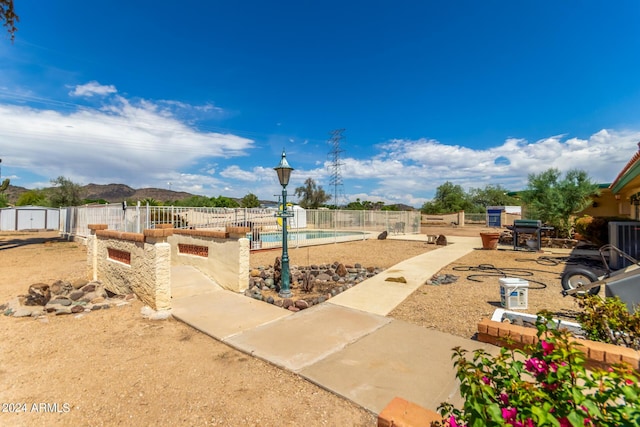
250	201
553	200
33	198
8	15
449	198
490	195
363	206
65	193
224	202
149	201
312	196
95	202
194	201
4	200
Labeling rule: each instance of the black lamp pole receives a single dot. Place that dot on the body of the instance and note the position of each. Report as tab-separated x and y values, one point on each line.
284	173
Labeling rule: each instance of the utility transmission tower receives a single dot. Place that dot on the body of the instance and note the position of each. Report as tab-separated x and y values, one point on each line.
334	158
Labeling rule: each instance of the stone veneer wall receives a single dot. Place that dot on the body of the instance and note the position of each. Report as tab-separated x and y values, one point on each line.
225	260
149	273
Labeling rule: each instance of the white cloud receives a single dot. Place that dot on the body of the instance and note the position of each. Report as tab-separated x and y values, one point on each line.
127	142
409	171
93	88
147	143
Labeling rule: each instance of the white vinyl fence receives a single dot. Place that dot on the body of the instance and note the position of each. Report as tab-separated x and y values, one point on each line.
75	221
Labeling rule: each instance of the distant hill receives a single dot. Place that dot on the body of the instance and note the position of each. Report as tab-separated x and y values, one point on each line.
402	207
116	193
13	192
112	193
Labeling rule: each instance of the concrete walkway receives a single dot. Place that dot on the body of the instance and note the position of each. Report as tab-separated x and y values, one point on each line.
345	345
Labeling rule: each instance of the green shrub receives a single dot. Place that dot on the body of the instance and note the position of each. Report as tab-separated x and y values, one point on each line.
596	229
549	386
609	321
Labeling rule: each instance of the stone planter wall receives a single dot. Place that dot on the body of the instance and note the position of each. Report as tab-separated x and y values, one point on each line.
215	254
132	262
141	262
597	354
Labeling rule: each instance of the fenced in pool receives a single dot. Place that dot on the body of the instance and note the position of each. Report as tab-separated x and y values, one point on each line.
297	238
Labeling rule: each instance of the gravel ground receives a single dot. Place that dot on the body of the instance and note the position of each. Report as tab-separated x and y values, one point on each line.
112	367
458	307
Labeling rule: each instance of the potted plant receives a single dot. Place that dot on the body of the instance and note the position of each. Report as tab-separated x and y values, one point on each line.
490	240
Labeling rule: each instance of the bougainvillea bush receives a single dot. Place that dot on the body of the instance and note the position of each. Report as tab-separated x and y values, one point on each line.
546	385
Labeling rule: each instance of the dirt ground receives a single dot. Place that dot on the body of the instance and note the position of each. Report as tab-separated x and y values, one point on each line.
112	367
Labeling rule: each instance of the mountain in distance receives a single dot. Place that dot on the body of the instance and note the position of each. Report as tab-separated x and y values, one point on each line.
112	193
116	193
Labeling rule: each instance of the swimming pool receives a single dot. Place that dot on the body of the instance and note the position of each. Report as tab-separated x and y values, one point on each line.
305	237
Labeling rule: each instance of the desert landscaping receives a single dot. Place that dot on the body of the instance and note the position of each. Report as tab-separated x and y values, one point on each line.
114	367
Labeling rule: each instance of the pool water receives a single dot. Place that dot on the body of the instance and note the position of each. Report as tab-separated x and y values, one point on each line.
308	235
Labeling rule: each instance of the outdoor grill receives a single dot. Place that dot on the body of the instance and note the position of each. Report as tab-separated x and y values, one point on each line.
527	226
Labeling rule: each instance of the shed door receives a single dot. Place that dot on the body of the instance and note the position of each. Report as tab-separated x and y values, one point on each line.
493	216
31	219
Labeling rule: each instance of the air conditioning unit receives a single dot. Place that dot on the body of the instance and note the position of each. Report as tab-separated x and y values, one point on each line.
624	235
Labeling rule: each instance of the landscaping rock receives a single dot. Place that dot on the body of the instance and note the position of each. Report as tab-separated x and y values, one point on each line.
63	298
301	304
39	294
311	284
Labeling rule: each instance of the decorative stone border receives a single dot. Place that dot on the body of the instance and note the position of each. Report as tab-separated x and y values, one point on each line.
600	355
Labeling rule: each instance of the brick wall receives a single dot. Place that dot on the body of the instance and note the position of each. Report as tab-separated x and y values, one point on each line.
597	354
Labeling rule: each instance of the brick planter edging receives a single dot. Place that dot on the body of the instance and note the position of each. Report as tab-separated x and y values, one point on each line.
402	413
597	354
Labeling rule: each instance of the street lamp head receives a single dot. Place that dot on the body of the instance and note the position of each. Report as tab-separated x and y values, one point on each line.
283	170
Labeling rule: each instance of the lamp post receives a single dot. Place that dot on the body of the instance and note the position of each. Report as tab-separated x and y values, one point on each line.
284	173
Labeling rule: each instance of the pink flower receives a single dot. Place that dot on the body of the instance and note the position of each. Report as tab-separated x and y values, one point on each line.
564	422
486	380
454	423
537	366
547	347
504	399
509	414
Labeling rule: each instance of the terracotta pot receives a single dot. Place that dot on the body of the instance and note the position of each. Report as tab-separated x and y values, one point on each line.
490	240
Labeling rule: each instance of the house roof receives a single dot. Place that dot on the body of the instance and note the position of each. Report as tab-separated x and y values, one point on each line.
629	172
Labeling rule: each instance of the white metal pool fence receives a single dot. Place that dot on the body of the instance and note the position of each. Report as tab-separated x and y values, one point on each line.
76	220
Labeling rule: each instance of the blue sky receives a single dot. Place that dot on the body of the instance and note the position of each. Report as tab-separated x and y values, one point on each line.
204	96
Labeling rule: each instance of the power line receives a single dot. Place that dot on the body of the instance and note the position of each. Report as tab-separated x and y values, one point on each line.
335	164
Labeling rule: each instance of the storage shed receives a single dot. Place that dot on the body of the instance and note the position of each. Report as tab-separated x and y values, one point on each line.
495	214
29	218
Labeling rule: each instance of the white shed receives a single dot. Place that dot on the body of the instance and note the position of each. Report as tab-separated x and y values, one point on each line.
29	218
494	214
